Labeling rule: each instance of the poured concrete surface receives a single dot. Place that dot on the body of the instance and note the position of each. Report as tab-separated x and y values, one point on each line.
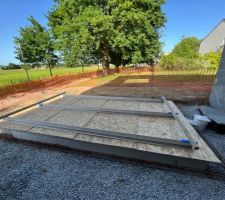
148	126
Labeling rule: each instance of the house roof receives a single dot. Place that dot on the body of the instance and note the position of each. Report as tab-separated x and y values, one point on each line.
223	20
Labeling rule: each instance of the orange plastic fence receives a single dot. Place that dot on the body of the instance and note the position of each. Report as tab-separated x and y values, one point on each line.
43	83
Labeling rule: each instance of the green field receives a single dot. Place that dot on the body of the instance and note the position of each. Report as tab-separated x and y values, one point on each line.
16	76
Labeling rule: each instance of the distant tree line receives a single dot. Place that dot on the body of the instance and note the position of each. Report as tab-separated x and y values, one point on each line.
10	66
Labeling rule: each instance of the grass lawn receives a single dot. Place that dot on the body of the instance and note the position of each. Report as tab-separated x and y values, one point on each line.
15	76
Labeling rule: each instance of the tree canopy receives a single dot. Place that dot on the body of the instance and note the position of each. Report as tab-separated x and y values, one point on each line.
34	46
28	48
113	31
187	48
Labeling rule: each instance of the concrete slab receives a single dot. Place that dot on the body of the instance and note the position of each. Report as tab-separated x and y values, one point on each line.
119	123
152	107
122	105
40	114
71	118
166	128
97	103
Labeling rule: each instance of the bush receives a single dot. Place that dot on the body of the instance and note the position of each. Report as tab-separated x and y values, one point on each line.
213	59
185	56
173	62
168	62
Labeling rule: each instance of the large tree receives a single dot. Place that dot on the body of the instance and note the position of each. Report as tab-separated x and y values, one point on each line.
34	47
113	30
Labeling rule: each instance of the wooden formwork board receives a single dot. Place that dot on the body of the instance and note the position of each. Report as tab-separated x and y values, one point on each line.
151	126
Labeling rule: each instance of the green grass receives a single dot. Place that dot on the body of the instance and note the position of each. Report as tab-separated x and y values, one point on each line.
16	76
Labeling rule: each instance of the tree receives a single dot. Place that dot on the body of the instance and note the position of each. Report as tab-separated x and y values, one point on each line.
19	52
187	48
50	59
82	30
120	32
34	47
137	25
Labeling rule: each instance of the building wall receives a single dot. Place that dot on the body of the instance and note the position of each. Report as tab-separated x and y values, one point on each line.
214	40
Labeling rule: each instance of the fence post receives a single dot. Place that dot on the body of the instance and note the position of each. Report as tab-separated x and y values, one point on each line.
153	70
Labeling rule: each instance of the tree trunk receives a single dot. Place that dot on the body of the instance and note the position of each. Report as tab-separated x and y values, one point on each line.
117	68
106	57
123	64
50	70
28	77
82	68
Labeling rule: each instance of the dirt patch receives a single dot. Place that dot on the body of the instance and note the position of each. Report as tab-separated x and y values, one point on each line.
25	98
176	95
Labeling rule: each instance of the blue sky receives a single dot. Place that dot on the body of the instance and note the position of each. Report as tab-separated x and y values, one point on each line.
191	18
184	18
13	15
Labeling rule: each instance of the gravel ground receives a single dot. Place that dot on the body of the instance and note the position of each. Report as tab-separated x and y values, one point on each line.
35	173
215	140
29	172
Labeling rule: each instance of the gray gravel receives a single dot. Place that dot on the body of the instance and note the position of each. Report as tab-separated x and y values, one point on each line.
36	173
29	172
216	140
